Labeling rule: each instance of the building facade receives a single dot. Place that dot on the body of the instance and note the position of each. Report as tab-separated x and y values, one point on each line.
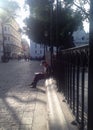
36	50
10	39
1	40
80	37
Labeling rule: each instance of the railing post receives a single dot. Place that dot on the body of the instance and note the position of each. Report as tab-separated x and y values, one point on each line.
70	81
76	60
68	88
77	87
73	87
90	77
83	90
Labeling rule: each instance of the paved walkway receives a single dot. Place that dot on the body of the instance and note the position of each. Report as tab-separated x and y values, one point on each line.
25	108
28	110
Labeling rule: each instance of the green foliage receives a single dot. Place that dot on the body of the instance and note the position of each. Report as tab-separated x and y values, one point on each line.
36	28
80	5
39	9
64	22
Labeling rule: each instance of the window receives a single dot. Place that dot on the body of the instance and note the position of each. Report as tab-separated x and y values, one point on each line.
5	29
40	52
8	29
8	38
83	38
35	51
40	45
5	38
35	45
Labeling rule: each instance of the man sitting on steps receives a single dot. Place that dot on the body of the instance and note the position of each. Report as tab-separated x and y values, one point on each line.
41	75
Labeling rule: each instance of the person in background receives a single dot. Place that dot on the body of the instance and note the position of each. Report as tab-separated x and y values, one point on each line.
41	75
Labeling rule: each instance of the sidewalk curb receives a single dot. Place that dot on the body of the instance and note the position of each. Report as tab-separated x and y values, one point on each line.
60	115
40	113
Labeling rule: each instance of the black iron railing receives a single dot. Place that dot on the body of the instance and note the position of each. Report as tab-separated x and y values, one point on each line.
72	76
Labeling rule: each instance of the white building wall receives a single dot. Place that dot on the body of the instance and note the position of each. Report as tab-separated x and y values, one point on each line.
12	37
80	37
1	42
36	50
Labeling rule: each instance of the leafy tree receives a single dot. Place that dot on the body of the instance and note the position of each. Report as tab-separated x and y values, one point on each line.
80	5
39	9
39	22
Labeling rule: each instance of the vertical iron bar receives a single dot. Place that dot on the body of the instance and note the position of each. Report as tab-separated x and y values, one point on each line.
82	94
73	89
90	70
66	70
77	98
51	26
66	82
70	82
57	27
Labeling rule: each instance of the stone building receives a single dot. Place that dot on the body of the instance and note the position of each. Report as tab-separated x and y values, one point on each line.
1	40
36	50
80	37
10	38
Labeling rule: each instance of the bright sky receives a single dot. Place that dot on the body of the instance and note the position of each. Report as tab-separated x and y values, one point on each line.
86	6
86	26
22	15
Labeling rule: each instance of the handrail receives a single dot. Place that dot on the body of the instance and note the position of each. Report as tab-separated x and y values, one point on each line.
72	79
76	48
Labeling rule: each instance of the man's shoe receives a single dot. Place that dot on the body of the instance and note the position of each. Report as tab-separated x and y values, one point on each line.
33	86
30	84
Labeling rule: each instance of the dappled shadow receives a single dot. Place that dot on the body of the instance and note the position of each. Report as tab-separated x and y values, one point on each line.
14	107
17	101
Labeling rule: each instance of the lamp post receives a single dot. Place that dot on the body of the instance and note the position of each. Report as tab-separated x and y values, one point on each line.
51	27
57	12
45	34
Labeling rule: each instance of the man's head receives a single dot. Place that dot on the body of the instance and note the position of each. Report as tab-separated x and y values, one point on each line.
44	63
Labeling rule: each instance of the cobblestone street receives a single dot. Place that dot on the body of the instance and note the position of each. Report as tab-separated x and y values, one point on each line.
17	100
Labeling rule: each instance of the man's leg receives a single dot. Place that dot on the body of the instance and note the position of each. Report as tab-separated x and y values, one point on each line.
38	76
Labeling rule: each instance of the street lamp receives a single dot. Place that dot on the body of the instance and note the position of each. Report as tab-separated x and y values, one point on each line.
57	12
45	34
51	27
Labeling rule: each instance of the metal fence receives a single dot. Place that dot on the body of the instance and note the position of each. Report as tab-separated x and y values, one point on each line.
71	72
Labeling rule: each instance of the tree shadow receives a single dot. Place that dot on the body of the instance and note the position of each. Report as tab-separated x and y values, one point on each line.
14	119
11	116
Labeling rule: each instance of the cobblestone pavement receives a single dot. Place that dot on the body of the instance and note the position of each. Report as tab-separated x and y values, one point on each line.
17	99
